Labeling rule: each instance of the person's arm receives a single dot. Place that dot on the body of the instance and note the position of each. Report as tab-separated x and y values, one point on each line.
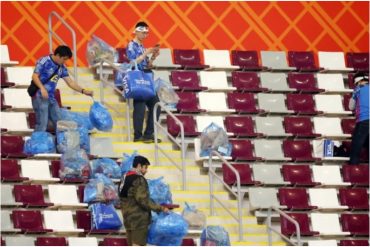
152	58
72	84
142	196
351	104
37	81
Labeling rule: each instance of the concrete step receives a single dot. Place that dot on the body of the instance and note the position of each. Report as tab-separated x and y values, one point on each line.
263	243
227	219
192	194
254	237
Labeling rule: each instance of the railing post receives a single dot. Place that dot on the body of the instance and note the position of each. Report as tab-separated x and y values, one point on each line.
101	86
155	121
269	232
210	175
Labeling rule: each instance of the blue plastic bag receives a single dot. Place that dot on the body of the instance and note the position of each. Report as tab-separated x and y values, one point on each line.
165	93
100	189
121	76
81	118
106	166
97	49
84	139
127	162
100	117
104	216
67	136
159	192
167	230
214	236
194	217
74	164
138	85
40	142
214	137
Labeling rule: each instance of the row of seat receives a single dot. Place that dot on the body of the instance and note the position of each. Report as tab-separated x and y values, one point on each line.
256	82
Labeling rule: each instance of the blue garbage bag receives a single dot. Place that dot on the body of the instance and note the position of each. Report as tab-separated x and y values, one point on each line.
67	136
74	164
106	166
193	216
81	118
166	93
104	216
214	137
84	139
127	162
40	142
100	117
100	189
121	75
167	230
214	236
159	191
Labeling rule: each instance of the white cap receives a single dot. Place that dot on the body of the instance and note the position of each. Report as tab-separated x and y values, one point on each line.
360	78
141	29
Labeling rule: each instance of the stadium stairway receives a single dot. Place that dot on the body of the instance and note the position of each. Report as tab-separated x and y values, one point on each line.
197	178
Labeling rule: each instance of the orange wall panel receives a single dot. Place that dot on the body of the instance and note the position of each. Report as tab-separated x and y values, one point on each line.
315	26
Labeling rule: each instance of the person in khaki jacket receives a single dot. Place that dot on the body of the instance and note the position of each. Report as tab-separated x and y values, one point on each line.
135	202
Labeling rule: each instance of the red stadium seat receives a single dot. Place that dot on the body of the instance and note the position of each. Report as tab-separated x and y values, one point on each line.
242	102
246	81
356	174
346	98
10	171
348	125
246	60
4	82
303	82
122	57
302	60
356	224
288	228
186	80
29	221
51	241
240	126
353	242
243	150
300	175
12	146
188	102
188	242
354	198
299	127
359	61
298	150
55	167
114	242
302	104
245	174
30	195
3	106
294	199
83	220
188	59
188	123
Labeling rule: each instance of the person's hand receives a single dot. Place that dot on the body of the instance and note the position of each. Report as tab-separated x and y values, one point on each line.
150	50
44	93
165	210
88	92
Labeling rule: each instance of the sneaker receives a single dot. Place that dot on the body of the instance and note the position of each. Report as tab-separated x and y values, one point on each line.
141	139
151	140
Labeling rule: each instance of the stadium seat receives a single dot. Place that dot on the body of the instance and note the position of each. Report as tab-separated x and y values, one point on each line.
350	81
164	60
269	150
30	195
215	81
246	81
83	221
354	198
298	150
246	60
356	224
346	98
330	104
302	60
7	198
31	119
332	61
288	228
17	98
188	242
275	82
3	105
364	153
303	82
37	170
329	127
299	127
83	241
29	221
268	174
348	125
270	126
188	59
327	224
301	104
354	242
5	59
326	199
64	196
242	102
10	171
273	103
54	169
122	56
262	198
15	122
51	241
218	59
186	80
240	126
331	242
359	61
328	176
244	171
207	102
60	221
19	241
298	175
7	222
12	146
114	242
242	150
204	121
20	76
275	60
4	82
332	83
188	102
294	199
188	122
356	174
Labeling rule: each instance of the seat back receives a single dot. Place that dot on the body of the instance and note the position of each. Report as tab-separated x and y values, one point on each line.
9	169
296	198
83	241
204	121
324	197
185	79
242	126
268	174
274	59
353	242
329	103
29	194
11	145
188	122
346	98
213	80
7	197
114	242
288	228
272	102
61	220
358	60
302	81
242	102
242	149
17	98
297	174
14	121
5	55
217	58
274	81
83	219
21	76
331	60
348	125
326	223
327	175
20	241
262	198
270	126
27	220
356	174
330	82
245	81
6	221
301	59
164	59
327	126
302	103
51	241
298	126
207	101
187	57
244	171
245	59
63	194
268	149
354	198
36	169
122	56
188	101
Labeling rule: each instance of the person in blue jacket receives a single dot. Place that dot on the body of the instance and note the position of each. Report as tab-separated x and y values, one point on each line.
137	52
360	104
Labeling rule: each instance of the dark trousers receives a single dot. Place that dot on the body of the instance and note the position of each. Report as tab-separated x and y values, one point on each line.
360	138
138	117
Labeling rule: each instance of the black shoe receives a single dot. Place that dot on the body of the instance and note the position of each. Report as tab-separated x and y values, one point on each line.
151	140
140	139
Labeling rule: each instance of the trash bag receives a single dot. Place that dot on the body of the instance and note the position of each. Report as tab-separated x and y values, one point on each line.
84	139
74	164
106	166
67	136
40	142
159	192
194	217
100	189
121	76
97	49
215	138
100	117
81	118
165	93
127	162
104	216
167	230
214	236
138	85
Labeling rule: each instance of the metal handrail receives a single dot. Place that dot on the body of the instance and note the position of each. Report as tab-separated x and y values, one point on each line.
52	33
106	82
270	229
238	194
181	145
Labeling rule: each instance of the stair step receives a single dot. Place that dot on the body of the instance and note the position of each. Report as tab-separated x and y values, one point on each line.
249	243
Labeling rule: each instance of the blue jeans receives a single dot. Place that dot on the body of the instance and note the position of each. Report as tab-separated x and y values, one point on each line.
45	110
360	139
138	117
